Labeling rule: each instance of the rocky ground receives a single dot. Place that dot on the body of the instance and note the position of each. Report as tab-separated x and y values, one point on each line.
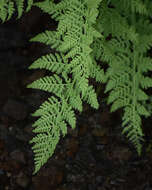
94	156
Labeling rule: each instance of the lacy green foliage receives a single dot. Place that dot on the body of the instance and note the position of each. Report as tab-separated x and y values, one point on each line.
71	68
7	8
91	33
126	53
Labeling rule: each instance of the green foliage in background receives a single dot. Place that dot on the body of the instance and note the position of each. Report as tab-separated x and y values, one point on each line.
7	8
91	35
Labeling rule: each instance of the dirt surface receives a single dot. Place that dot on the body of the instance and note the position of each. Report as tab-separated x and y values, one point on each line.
94	156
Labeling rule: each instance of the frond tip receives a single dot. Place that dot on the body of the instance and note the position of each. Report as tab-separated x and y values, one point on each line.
7	8
54	116
44	147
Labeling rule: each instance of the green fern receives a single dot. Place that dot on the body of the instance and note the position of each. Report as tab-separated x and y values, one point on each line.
7	8
90	34
125	53
73	65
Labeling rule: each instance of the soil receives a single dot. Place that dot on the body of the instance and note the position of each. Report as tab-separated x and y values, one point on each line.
94	156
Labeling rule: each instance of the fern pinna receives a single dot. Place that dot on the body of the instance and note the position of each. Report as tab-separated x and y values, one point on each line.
71	68
127	25
7	8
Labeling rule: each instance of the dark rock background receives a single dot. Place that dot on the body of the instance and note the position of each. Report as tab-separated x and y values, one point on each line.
94	156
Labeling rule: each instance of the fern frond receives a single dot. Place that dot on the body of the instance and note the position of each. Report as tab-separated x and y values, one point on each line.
72	67
29	5
55	10
97	73
128	64
20	6
44	147
48	38
4	7
134	6
90	33
7	8
55	63
52	84
54	116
